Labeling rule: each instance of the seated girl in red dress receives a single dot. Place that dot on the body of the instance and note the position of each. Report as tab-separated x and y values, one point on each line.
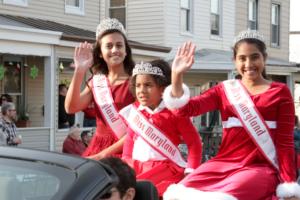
256	159
154	133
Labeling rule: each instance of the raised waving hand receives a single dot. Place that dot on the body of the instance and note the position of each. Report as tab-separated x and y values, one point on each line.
184	58
183	61
83	56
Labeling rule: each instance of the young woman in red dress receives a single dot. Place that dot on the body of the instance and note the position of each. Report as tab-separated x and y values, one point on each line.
256	157
111	62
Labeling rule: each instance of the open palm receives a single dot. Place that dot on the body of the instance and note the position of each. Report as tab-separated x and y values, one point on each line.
83	56
184	57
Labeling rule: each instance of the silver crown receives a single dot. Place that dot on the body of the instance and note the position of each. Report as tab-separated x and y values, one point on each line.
108	24
147	68
249	34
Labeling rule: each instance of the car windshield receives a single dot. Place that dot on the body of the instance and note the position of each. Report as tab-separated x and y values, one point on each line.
28	180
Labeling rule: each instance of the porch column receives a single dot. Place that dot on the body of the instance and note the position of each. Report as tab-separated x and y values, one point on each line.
50	96
291	83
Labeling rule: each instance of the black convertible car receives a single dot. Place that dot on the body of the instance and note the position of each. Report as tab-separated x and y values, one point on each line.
39	175
27	174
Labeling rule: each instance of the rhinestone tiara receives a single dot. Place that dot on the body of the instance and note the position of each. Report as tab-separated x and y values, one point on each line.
147	68
249	34
108	24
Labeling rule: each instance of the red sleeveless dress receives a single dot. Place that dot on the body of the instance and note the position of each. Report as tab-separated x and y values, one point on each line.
104	136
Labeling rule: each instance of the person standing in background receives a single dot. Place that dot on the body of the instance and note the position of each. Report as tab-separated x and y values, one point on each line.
4	98
8	129
65	120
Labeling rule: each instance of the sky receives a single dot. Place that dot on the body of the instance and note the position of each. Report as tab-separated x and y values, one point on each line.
294	15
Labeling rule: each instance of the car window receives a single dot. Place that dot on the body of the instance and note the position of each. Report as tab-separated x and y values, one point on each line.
24	180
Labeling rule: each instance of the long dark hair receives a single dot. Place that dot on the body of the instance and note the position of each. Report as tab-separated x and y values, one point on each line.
100	64
260	45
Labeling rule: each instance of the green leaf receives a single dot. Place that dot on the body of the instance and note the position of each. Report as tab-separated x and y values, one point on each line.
34	71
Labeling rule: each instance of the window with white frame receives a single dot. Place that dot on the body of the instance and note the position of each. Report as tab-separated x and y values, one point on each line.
74	7
117	9
215	17
275	34
252	14
16	2
185	15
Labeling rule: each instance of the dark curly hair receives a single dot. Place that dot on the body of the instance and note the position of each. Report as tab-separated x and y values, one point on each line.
100	64
126	175
159	80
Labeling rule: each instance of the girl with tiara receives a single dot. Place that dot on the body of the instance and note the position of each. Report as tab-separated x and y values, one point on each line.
111	63
154	133
256	157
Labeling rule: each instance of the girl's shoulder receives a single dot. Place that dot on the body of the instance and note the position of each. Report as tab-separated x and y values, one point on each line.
278	84
281	87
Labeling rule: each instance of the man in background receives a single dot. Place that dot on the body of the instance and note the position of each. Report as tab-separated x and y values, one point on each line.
8	129
73	143
65	120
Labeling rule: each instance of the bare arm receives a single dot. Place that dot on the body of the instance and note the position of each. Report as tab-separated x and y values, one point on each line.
183	61
83	60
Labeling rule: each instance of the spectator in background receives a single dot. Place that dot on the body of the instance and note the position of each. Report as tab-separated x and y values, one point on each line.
8	129
125	189
4	99
86	137
65	120
73	143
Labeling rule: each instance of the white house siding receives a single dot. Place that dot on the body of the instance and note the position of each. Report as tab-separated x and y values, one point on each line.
145	21
59	139
103	9
264	24
200	33
139	58
297	94
55	11
35	138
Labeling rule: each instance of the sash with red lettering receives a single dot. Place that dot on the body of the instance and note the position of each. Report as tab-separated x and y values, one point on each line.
153	136
106	105
251	119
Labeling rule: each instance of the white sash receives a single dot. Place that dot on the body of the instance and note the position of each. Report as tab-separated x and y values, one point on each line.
106	105
250	117
154	137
